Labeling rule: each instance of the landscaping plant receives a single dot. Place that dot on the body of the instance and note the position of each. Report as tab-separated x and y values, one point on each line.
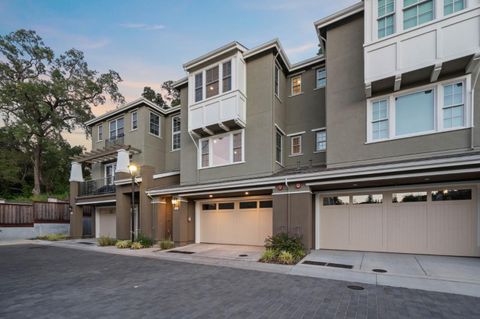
53	237
136	245
145	241
123	244
269	256
106	241
166	244
283	248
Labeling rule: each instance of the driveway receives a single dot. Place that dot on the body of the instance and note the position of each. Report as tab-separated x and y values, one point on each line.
52	282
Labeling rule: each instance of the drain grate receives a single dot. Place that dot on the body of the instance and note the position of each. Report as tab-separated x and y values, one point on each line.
243	255
379	270
181	252
321	263
353	287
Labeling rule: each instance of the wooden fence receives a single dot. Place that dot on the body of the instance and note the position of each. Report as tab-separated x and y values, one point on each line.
25	215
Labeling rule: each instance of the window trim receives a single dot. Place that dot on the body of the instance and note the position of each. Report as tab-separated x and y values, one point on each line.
438	108
210	146
299	75
316	77
176	133
276	80
159	124
99	130
116	127
316	131
114	166
203	71
434	17
279	132
131	120
300	136
453	12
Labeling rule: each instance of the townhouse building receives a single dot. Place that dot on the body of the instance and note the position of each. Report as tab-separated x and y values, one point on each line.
371	145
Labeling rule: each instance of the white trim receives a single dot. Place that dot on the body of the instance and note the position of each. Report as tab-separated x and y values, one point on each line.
197	222
230	148
278	128
292	137
213	54
317	221
126	181
316	77
116	127
318	129
291	78
278	131
96	202
316	150
176	133
98	132
131	120
339	15
159	124
296	133
292	192
230	191
162	175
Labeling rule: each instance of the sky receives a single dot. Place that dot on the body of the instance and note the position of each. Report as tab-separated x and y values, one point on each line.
147	41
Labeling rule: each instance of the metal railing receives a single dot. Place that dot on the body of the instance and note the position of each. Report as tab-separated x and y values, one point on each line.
119	140
97	187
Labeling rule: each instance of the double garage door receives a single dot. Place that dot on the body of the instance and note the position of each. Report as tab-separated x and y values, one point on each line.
240	222
424	221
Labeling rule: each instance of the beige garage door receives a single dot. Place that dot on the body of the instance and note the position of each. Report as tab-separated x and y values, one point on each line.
240	222
425	221
105	222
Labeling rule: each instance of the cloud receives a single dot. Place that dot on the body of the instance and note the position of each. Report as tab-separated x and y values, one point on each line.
142	26
79	41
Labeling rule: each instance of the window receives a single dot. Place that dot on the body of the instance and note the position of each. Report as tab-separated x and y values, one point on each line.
134	120
336	200
226	206
380	120
320	140
452	194
451	6
100	132
386	17
198	87
176	127
248	205
367	199
296	83
279	147
453	105
409	197
211	82
296	145
266	204
154	124
222	149
227	76
416	12
415	113
321	75
110	173
116	128
209	206
277	80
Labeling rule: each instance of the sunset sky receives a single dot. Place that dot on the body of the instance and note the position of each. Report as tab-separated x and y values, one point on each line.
147	41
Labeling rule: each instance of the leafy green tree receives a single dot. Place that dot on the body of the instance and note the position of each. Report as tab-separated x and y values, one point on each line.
153	96
172	95
43	95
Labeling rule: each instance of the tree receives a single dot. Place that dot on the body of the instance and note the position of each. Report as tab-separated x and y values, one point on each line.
42	95
153	96
172	95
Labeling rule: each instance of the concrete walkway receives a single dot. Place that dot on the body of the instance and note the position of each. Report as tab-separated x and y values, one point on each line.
434	273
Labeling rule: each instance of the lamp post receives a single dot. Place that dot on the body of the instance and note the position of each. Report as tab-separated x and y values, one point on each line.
133	169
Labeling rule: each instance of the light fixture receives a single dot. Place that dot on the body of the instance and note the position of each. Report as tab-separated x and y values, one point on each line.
246	193
175	203
445	191
133	169
210	195
427	179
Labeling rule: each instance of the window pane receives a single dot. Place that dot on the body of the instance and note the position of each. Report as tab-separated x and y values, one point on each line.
337	200
154	124
237	147
414	113
226	206
406	3
209	206
212	81
248	205
176	124
409	197
221	151
278	154
277	80
296	144
321	140
176	141
296	85
100	132
266	204
321	77
425	12
227	76
380	130
452	194
459	5
205	153
198	87
367	199
134	120
379	110
120	126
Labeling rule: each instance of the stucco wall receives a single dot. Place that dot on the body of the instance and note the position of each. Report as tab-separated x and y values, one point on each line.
9	233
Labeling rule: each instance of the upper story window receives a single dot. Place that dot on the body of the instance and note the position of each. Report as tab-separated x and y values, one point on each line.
451	6
198	87
296	145
320	140
154	124
116	128
321	77
277	81
419	112
100	132
110	173
176	126
296	83
279	147
134	120
222	150
227	76
416	12
386	17
212	81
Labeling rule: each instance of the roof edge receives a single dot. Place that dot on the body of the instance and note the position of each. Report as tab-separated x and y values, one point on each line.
339	15
214	53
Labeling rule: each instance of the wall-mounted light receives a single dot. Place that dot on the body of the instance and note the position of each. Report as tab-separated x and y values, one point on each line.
246	193
210	195
175	203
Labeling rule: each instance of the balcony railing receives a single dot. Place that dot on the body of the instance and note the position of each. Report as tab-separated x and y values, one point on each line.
97	187
119	140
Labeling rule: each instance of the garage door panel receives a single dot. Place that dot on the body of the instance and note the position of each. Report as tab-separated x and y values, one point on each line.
246	226
406	227
334	227
265	224
366	225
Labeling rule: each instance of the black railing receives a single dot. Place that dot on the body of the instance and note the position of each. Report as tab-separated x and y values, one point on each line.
97	187
119	140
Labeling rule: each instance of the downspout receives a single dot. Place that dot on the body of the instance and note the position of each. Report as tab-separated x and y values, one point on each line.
474	83
288	204
273	107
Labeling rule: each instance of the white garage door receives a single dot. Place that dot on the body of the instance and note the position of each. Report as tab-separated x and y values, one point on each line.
240	222
105	222
425	221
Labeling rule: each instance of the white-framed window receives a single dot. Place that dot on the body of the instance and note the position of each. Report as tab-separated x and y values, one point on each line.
321	77
134	118
416	12
211	81
117	128
279	147
320	140
296	145
296	85
227	76
428	109
154	124
176	128
198	87
221	150
100	133
451	6
386	18
214	80
277	81
110	173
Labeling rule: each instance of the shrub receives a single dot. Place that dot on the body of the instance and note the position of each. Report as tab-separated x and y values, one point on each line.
286	258
123	244
166	244
145	241
284	242
269	256
53	237
106	241
136	245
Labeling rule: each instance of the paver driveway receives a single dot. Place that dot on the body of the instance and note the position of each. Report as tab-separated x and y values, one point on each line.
51	282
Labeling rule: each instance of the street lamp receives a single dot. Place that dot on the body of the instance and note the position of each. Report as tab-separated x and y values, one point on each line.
133	170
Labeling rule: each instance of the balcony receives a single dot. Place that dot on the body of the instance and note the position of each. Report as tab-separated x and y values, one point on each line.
119	140
96	187
218	114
